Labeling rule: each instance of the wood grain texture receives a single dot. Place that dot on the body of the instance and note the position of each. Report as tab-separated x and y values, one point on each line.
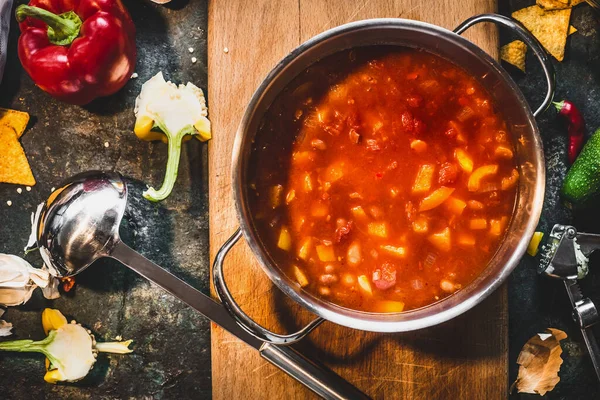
464	358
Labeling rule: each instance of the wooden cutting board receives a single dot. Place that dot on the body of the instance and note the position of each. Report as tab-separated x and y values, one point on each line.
463	359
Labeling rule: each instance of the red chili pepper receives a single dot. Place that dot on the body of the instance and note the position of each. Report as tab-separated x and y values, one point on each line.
77	50
576	127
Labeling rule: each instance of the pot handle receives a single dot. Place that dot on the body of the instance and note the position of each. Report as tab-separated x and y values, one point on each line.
529	39
242	319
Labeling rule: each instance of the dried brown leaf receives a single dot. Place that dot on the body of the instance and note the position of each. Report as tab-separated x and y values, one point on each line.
539	363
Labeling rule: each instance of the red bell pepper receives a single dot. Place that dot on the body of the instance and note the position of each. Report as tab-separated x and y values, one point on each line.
77	50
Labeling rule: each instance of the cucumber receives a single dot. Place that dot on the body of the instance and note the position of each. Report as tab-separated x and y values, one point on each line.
583	179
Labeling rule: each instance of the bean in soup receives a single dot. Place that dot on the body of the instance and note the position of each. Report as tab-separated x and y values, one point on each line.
383	179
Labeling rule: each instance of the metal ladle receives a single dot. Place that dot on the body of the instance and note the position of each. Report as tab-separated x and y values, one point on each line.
79	223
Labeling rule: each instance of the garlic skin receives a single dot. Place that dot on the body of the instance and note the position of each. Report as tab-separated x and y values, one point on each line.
18	280
5	327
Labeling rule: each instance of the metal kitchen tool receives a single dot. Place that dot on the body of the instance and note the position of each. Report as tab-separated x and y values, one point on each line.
79	223
565	256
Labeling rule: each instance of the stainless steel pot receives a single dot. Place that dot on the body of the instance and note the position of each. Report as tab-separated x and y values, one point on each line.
507	96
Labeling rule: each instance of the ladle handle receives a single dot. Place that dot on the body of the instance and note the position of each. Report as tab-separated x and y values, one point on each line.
318	378
178	288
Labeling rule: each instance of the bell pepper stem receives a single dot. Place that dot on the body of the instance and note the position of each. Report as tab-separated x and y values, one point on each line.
63	29
114	347
28	346
174	144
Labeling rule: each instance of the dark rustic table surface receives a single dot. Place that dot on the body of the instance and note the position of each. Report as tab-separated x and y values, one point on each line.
171	357
172	343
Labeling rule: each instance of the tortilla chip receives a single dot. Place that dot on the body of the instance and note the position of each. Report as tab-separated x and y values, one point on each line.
553	4
572	30
549	27
514	54
576	2
16	120
14	167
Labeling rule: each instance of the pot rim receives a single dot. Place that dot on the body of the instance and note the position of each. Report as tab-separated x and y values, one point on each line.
378	322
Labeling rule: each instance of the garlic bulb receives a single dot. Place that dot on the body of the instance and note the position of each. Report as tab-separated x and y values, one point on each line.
18	280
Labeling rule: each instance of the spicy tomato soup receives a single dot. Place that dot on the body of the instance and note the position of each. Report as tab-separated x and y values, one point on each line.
382	179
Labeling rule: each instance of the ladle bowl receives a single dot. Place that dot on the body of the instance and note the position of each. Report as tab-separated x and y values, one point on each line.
80	221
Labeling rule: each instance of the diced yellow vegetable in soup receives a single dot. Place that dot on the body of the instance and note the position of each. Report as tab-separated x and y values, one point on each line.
291	195
436	198
510	181
478	223
479	175
300	276
418	145
465	240
378	229
308	185
399	252
534	244
475	205
359	213
285	239
441	240
424	178
497	226
464	160
304	250
503	152
303	157
276	192
465	114
354	254
325	253
365	285
455	205
319	209
334	172
420	225
389	306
